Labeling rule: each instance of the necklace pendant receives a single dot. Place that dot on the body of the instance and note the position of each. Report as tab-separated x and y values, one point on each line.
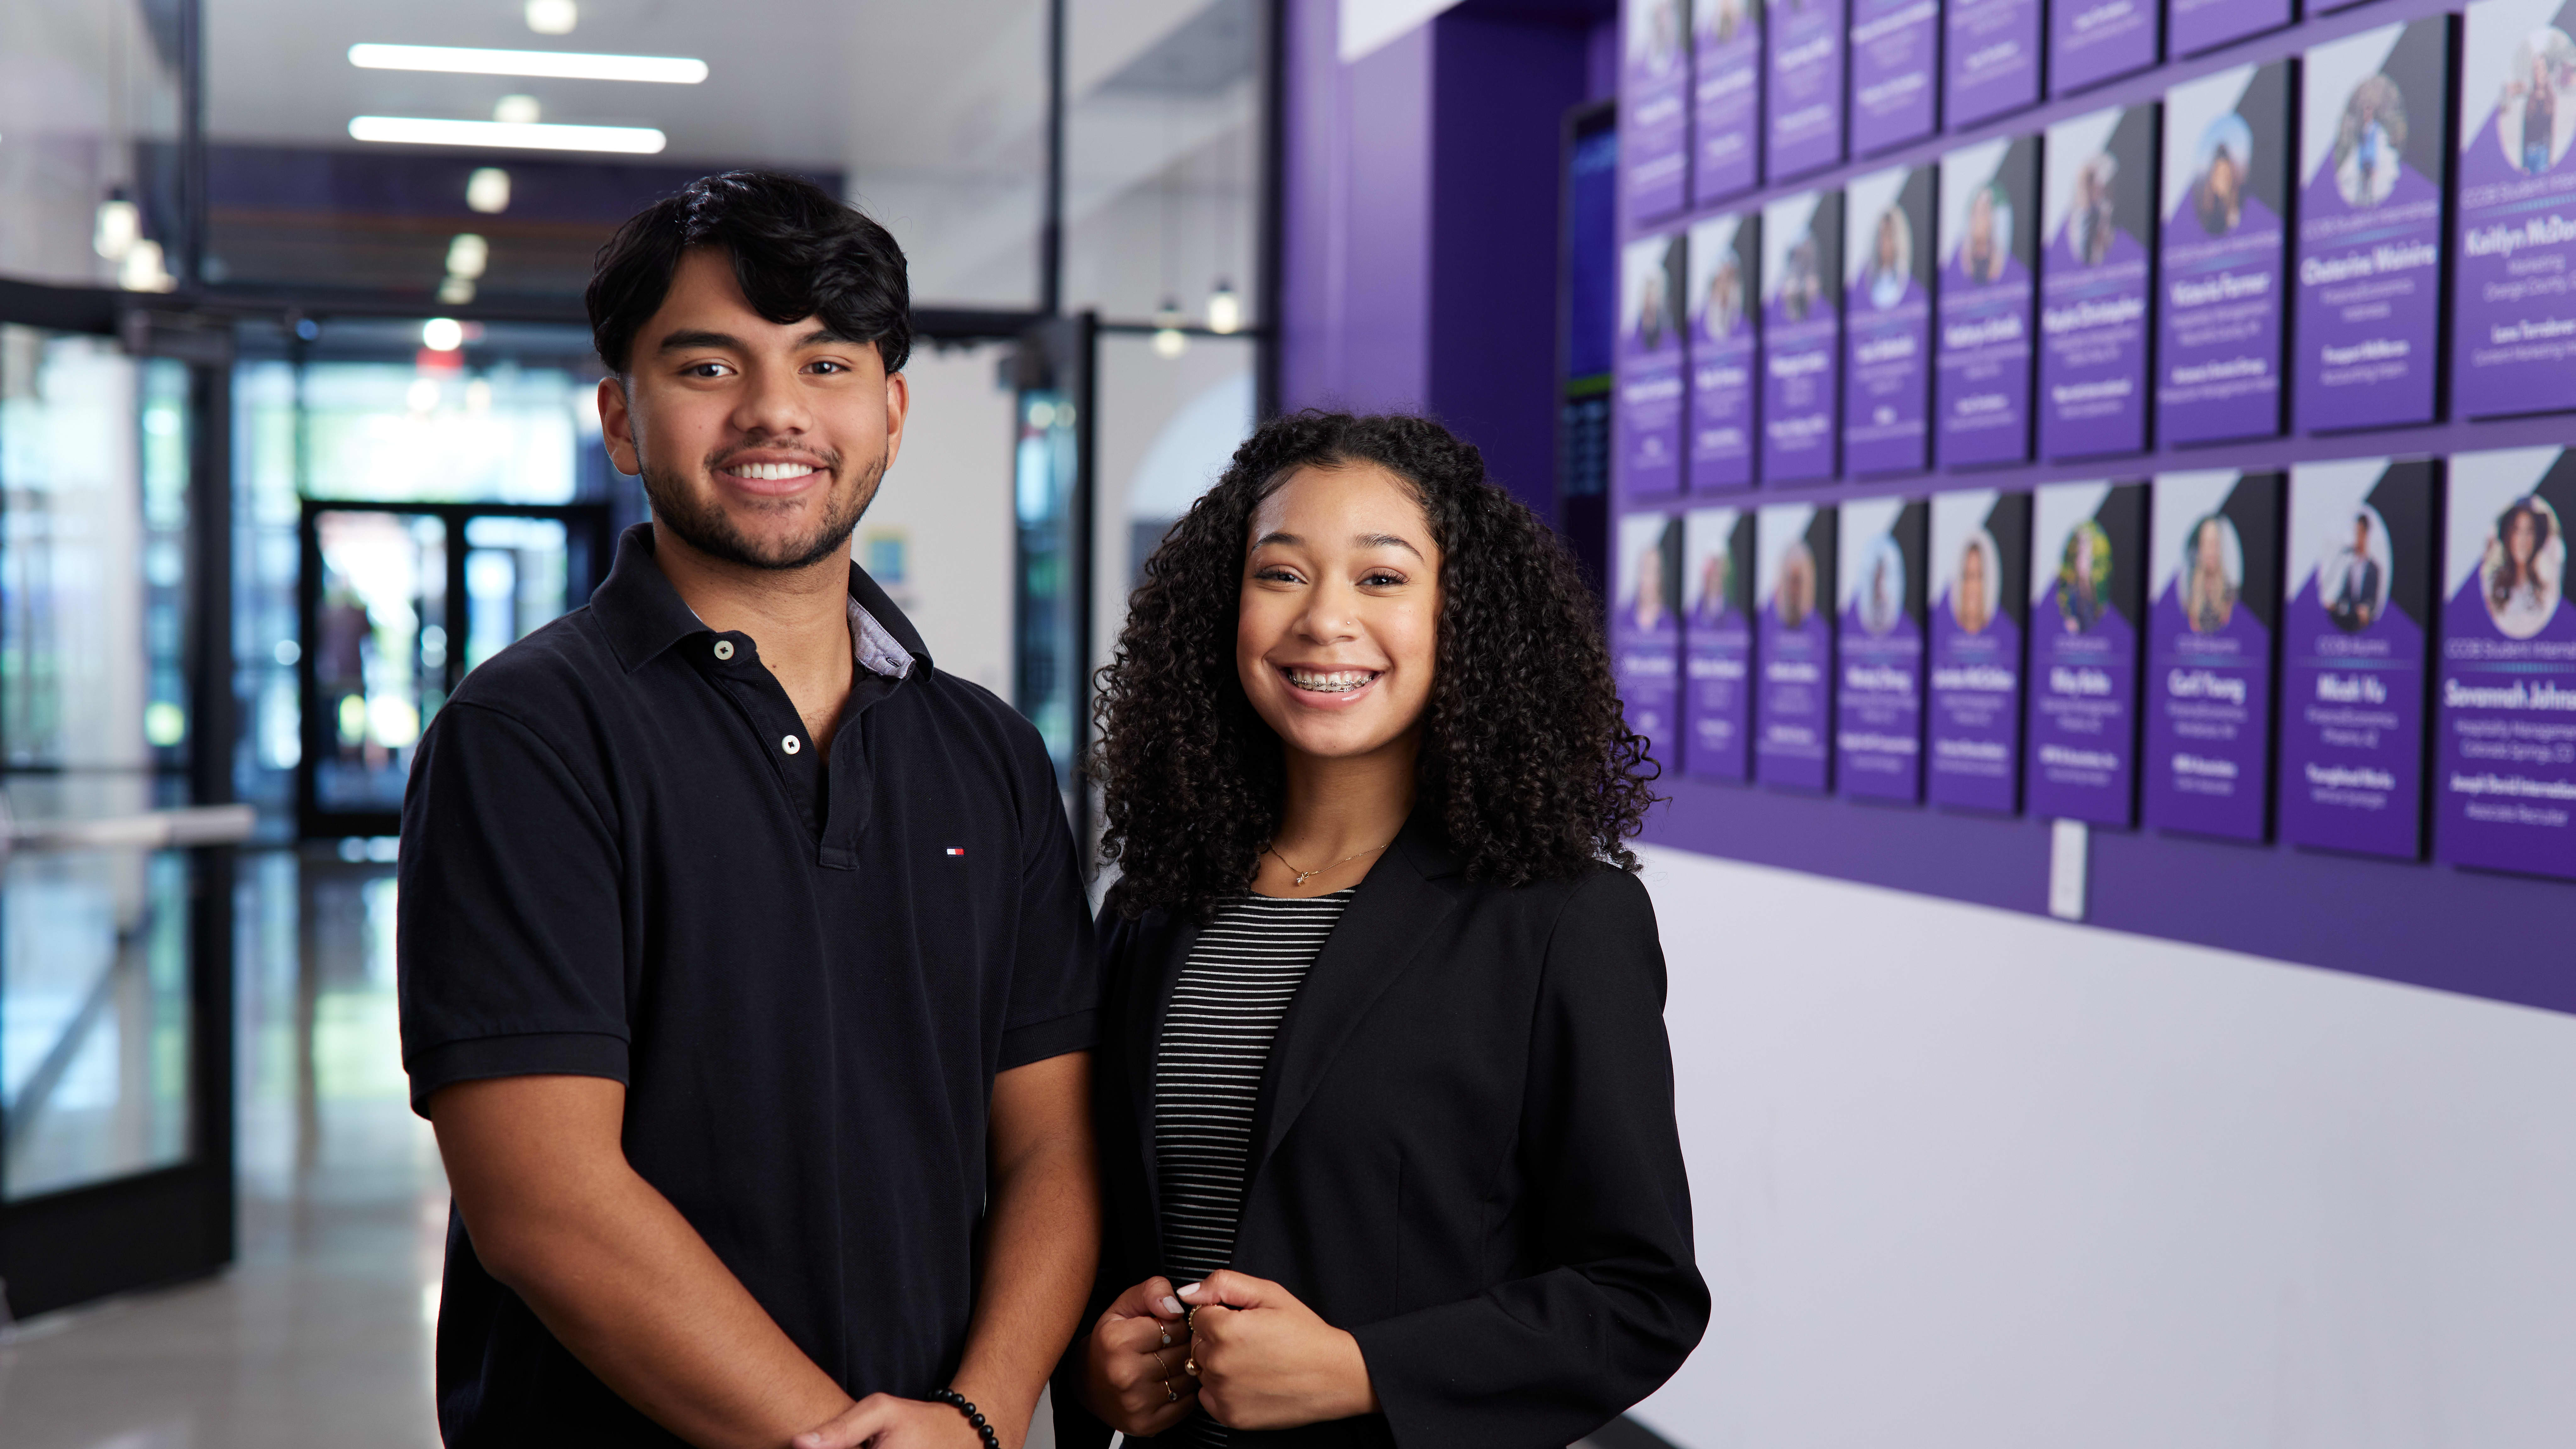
1301	877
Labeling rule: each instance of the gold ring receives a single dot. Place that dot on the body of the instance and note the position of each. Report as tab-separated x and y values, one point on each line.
1175	1394
1192	1367
1157	1357
1166	1333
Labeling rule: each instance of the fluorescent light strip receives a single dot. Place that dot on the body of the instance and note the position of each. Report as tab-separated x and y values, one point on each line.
552	64
517	136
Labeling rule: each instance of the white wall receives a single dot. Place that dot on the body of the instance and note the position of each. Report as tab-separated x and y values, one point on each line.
1969	1178
949	495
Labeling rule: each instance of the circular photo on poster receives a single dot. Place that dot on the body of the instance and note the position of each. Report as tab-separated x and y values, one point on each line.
1793	595
1649	603
1891	258
2219	169
2524	568
2089	223
1660	38
2213	574
1802	283
1972	592
1882	587
2368	140
2353	577
1714	590
2084	577
2536	114
1721	20
1722	310
1989	240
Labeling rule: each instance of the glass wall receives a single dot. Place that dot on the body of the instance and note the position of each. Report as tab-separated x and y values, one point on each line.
89	124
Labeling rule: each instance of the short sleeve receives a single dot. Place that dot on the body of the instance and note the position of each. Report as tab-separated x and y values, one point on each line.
1055	976
509	936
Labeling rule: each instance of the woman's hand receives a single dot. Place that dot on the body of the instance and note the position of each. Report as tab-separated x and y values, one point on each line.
1266	1361
1132	1375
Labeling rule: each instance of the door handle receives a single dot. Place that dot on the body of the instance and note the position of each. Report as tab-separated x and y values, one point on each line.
145	830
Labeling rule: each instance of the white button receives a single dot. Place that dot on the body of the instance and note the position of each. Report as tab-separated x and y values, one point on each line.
724	648
791	744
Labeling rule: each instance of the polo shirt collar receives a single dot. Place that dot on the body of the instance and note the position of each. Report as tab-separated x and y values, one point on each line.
642	615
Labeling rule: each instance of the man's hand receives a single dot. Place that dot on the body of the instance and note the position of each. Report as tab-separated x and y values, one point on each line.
1132	1372
882	1421
1267	1361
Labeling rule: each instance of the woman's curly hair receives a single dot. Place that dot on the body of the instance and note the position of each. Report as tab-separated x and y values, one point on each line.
1527	760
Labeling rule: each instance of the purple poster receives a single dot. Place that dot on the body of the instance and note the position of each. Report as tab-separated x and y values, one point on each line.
2513	318
1645	629
2086	554
2091	41
1649	398
2352	655
1895	48
1726	98
1801	334
2218	338
1878	667
1802	101
2504	779
1717	643
2192	26
1989	230
2097	236
1980	598
2371	163
1793	710
1725	267
2214	561
1654	108
1991	59
1887	319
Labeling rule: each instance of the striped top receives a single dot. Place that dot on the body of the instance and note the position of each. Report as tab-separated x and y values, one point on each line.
1225	1013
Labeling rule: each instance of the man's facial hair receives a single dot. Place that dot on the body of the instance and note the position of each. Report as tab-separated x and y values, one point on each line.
705	527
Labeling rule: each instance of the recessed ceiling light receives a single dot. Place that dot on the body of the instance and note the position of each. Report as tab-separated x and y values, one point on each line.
517	111
553	17
428	131
488	190
678	70
442	334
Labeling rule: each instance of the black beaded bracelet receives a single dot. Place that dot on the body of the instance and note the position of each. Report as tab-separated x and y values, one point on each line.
983	1427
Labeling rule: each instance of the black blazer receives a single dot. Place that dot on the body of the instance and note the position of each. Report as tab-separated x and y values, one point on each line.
1463	1153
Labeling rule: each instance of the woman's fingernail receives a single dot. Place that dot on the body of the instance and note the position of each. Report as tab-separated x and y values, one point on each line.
1192	1290
1171	1304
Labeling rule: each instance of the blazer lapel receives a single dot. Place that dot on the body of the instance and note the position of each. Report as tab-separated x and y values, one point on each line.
1159	958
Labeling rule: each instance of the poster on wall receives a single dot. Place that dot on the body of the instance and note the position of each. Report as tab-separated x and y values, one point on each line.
1649	398
2091	41
1717	643
2219	331
1726	98
1725	271
1793	588
2087	554
1990	59
2192	26
1980	551
2513	337
1654	117
2352	655
2504	782
1878	666
1802	96
2098	234
2371	167
1802	311
1989	233
1895	50
2214	559
1646	627
1887	319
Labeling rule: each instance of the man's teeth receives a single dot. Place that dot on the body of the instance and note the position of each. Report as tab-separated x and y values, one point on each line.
1339	681
770	472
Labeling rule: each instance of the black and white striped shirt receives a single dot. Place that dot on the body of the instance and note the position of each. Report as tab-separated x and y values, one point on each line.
1225	1013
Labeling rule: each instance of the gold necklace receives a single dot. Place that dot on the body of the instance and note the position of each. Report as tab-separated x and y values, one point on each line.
1304	875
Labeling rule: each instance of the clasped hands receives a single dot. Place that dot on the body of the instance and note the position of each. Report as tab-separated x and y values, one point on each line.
1242	1348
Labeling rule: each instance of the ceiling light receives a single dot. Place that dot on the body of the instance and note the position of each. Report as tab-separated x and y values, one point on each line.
553	17
425	131
488	190
442	334
455	292
468	255
517	111
119	227
677	70
1225	309
144	271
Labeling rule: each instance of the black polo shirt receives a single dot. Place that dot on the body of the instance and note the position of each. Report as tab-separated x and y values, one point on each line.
622	858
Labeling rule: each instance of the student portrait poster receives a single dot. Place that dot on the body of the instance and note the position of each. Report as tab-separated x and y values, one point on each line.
1650	385
2193	26
2513	317
2371	166
1802	91
1887	319
2215	577
1980	597
1802	282
1895	59
2218	340
1793	589
1646	627
1726	98
1717	643
2092	41
1989	232
1654	115
1878	673
1990	59
2504	782
2087	554
2353	635
2097	238
1725	278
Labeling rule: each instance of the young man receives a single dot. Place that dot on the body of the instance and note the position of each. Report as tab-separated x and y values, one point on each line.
745	968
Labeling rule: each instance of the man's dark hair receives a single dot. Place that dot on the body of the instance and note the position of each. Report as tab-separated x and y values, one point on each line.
797	251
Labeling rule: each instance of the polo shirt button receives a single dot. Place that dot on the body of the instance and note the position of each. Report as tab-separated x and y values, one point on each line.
724	648
791	744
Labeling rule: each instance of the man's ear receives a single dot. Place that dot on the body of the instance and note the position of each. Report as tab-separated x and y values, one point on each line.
898	406
617	427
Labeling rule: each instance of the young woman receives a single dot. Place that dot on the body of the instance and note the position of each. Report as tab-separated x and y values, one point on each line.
1387	1105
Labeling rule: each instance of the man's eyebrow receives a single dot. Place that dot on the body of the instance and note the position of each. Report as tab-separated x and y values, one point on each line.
686	340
